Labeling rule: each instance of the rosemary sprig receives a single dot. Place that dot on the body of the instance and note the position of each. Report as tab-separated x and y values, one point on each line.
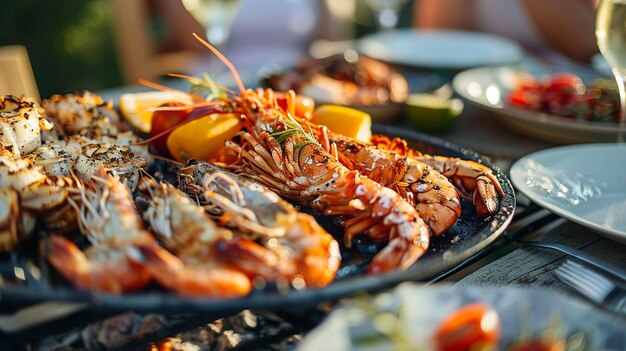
205	86
294	128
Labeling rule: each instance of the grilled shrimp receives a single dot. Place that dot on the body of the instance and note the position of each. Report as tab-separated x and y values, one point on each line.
107	218
434	197
475	181
303	250
20	126
200	262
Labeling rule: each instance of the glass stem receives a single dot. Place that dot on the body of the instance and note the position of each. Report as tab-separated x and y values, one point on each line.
387	19
619	78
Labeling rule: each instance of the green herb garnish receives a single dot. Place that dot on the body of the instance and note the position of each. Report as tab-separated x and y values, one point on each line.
206	87
294	128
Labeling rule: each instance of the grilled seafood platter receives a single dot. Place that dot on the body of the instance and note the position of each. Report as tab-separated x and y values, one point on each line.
282	202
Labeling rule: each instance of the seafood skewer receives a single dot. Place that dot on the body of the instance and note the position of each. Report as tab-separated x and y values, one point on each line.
278	153
304	250
107	217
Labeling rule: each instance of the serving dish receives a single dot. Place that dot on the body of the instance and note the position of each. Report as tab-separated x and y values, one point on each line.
440	49
523	315
591	193
347	79
488	87
28	279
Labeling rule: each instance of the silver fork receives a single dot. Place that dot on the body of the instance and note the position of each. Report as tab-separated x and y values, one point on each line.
593	285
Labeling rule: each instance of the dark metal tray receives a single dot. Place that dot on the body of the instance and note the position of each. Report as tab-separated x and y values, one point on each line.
22	285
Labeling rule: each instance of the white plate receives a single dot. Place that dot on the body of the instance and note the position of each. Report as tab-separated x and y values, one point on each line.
440	48
522	313
583	183
488	88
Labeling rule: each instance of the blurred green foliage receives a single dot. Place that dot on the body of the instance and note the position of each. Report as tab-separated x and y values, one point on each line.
70	43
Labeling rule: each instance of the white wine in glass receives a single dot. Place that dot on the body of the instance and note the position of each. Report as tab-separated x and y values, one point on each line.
217	17
611	37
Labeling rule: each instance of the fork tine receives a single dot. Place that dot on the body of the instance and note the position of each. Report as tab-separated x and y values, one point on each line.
569	276
590	275
574	275
586	281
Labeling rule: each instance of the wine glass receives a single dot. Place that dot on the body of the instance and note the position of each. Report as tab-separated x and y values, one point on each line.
217	17
386	12
611	37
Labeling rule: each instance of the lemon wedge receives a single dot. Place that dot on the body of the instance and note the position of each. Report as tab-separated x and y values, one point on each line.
432	113
344	120
135	107
202	138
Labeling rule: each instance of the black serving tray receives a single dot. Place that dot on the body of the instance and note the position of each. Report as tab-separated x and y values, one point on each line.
27	279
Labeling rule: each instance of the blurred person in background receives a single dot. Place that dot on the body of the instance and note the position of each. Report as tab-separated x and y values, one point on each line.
543	27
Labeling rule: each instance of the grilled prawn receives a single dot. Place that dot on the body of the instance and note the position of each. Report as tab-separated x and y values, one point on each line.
429	191
198	261
303	250
475	181
107	218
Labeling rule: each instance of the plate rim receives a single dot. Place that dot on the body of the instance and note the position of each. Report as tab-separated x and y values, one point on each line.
518	169
516	47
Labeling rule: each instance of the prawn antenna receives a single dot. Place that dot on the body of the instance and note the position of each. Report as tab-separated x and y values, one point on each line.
227	62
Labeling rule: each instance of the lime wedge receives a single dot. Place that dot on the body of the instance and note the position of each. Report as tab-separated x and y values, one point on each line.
432	113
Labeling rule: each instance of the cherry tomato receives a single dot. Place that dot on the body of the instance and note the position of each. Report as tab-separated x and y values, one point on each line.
523	98
472	327
164	120
304	105
529	82
566	82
